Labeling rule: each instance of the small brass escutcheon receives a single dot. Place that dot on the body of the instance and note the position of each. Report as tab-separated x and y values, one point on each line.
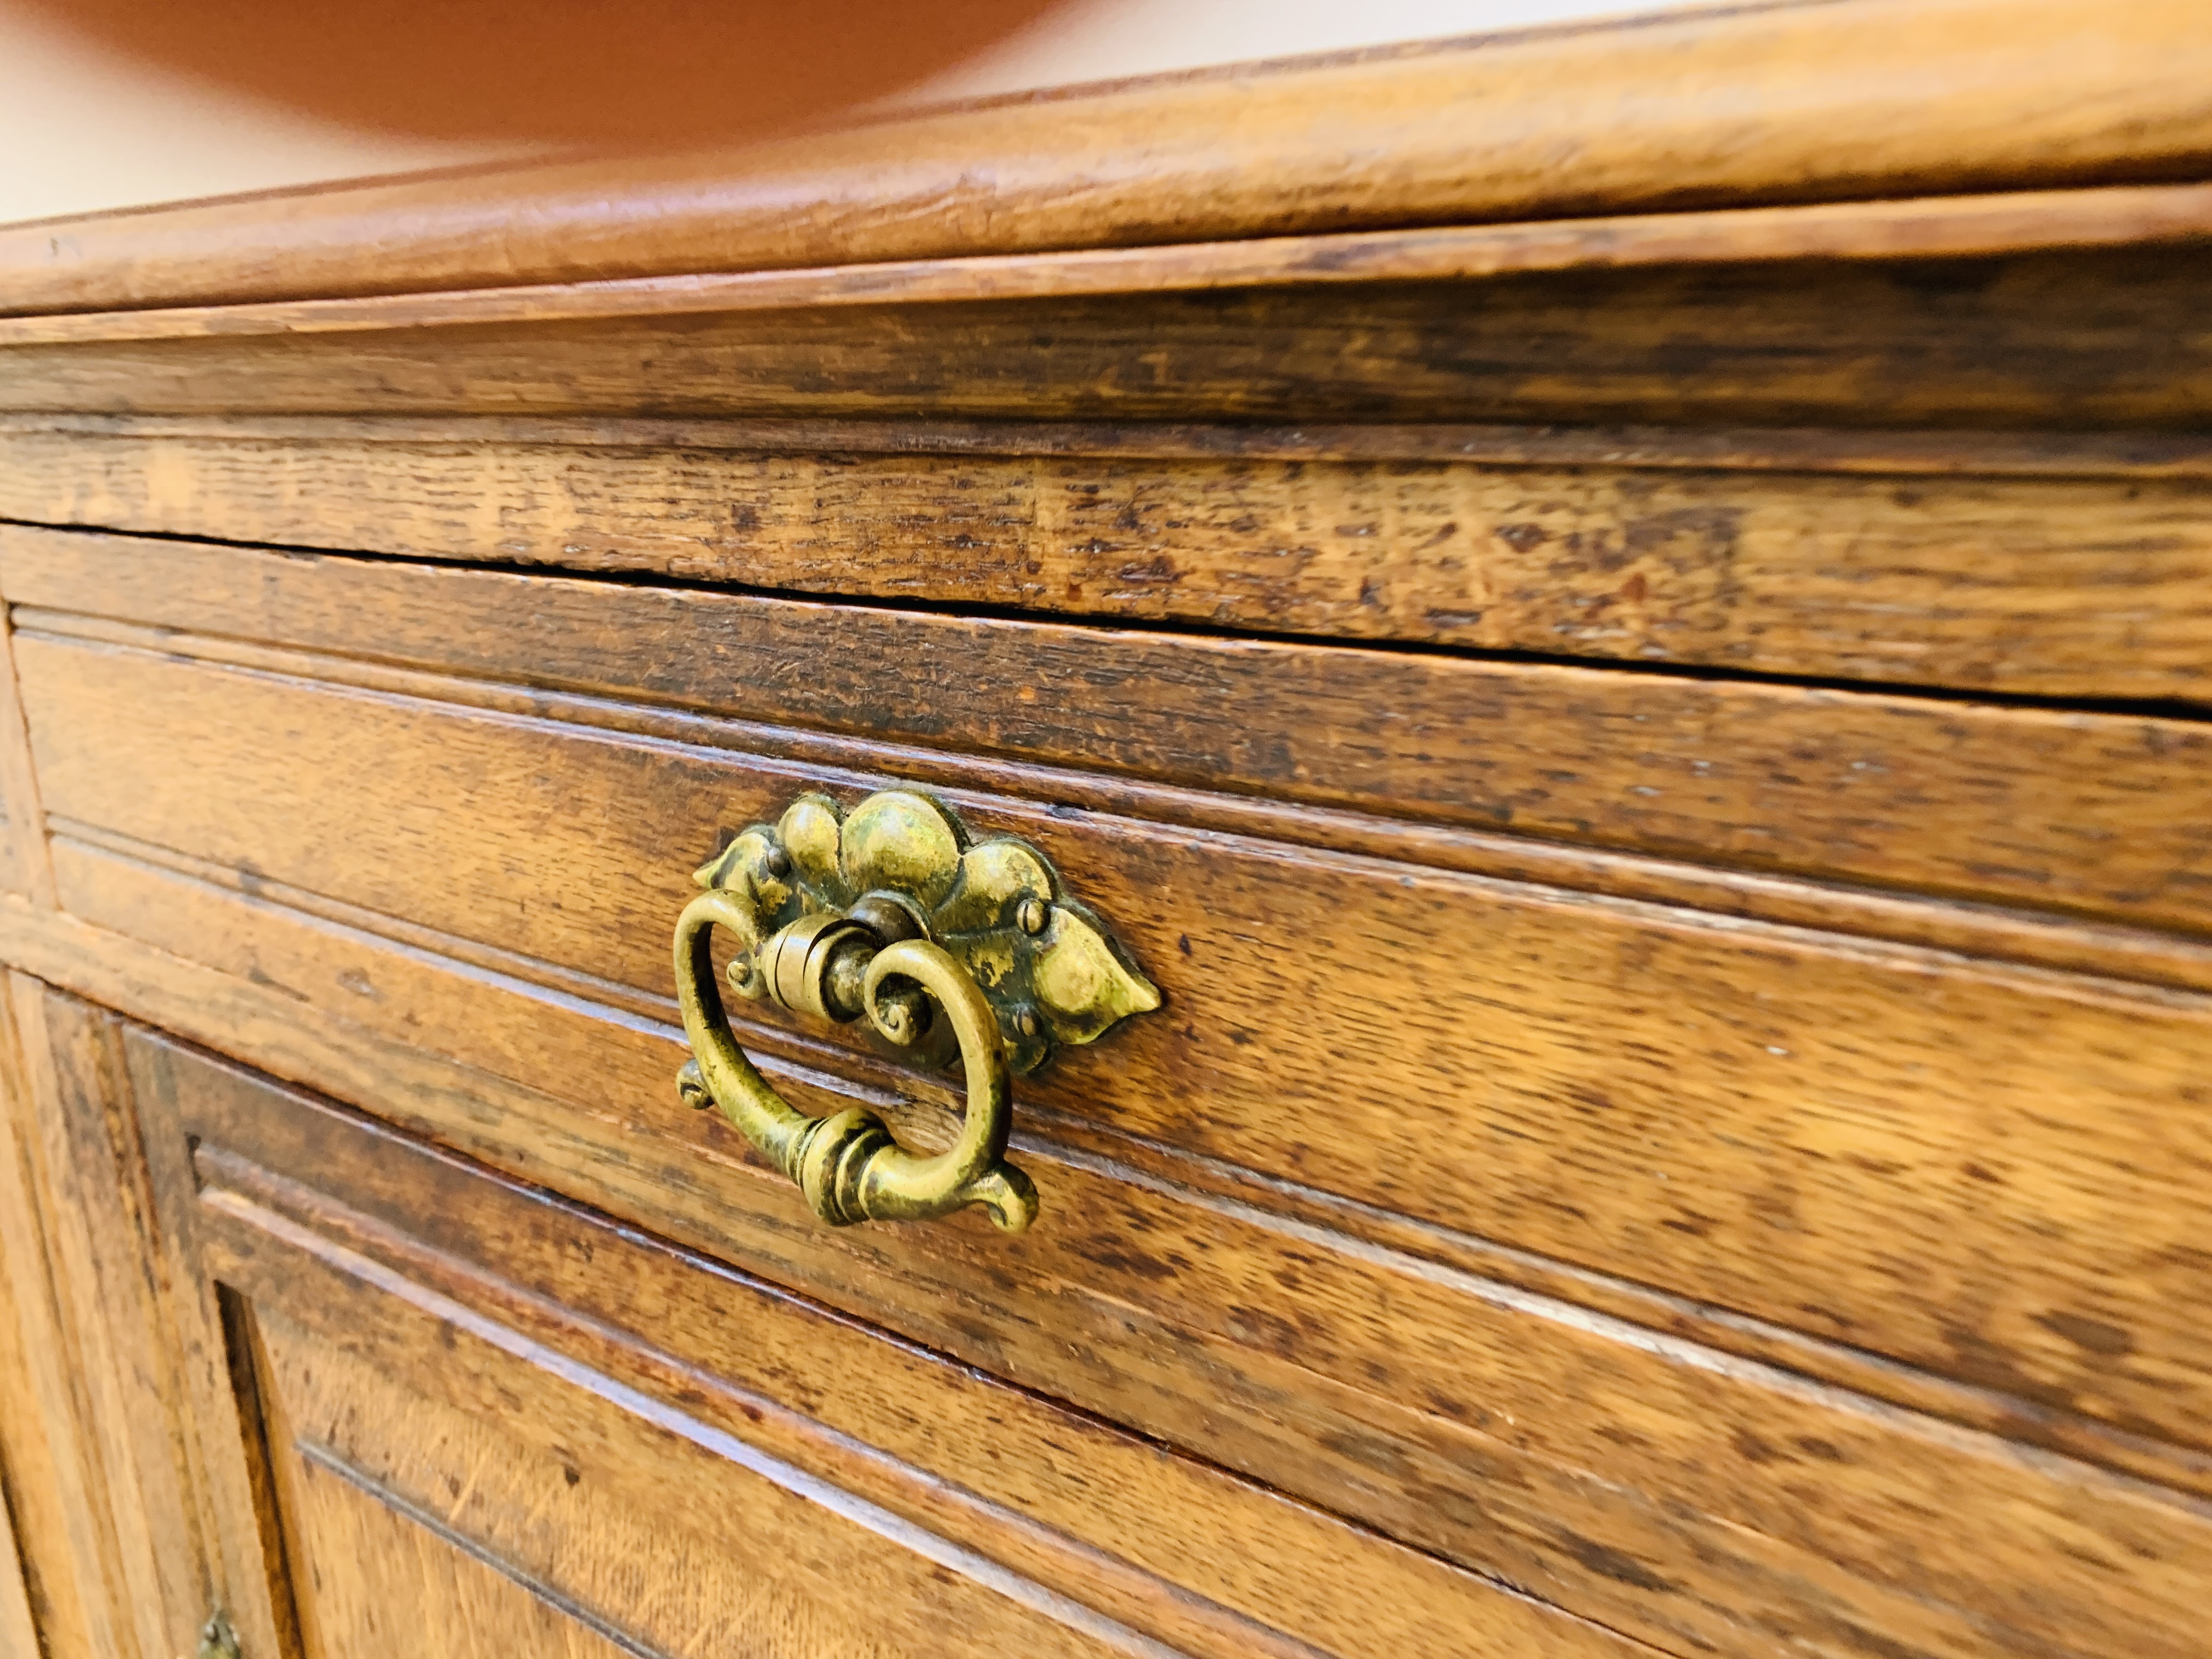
953	948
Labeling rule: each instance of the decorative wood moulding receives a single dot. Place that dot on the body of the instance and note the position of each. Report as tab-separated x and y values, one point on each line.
2112	338
1732	106
1938	228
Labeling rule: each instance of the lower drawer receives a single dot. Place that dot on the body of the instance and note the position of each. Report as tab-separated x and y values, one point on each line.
1694	1276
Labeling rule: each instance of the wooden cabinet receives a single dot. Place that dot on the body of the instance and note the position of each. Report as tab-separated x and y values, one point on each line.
1652	773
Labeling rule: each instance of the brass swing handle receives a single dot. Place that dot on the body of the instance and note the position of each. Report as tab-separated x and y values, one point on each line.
848	1164
892	911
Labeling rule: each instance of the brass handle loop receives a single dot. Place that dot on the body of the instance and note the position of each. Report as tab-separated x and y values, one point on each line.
944	941
848	1164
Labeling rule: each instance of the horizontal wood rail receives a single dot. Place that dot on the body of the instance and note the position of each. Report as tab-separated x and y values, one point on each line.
1720	107
1940	228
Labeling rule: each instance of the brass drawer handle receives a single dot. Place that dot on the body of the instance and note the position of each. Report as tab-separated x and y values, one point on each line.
953	949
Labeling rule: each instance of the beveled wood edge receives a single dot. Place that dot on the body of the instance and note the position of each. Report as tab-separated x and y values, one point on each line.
1929	228
1735	107
55	1488
1775	449
25	867
268	1029
131	1529
17	1634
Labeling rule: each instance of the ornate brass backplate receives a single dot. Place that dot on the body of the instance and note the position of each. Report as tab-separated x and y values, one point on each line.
893	910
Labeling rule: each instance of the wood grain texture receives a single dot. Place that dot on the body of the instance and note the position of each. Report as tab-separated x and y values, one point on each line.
1204	913
1460	1259
1934	228
109	1523
2114	339
677	1546
1909	452
1736	106
52	1492
771	1395
2083	813
1715	1506
2054	587
18	1636
213	1393
127	1486
596	817
386	1580
626	1291
109	1264
24	866
968	1418
1772	1167
1974	930
459	840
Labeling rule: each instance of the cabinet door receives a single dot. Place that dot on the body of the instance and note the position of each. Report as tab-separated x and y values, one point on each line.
346	1445
108	1499
227	1424
19	1638
438	1411
389	1400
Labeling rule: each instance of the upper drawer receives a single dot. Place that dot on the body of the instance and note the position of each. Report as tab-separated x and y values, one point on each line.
2086	814
1505	1218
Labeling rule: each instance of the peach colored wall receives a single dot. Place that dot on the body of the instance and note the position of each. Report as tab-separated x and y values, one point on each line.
80	133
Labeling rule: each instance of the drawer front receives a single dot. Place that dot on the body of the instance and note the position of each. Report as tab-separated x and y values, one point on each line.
2096	816
1687	1270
